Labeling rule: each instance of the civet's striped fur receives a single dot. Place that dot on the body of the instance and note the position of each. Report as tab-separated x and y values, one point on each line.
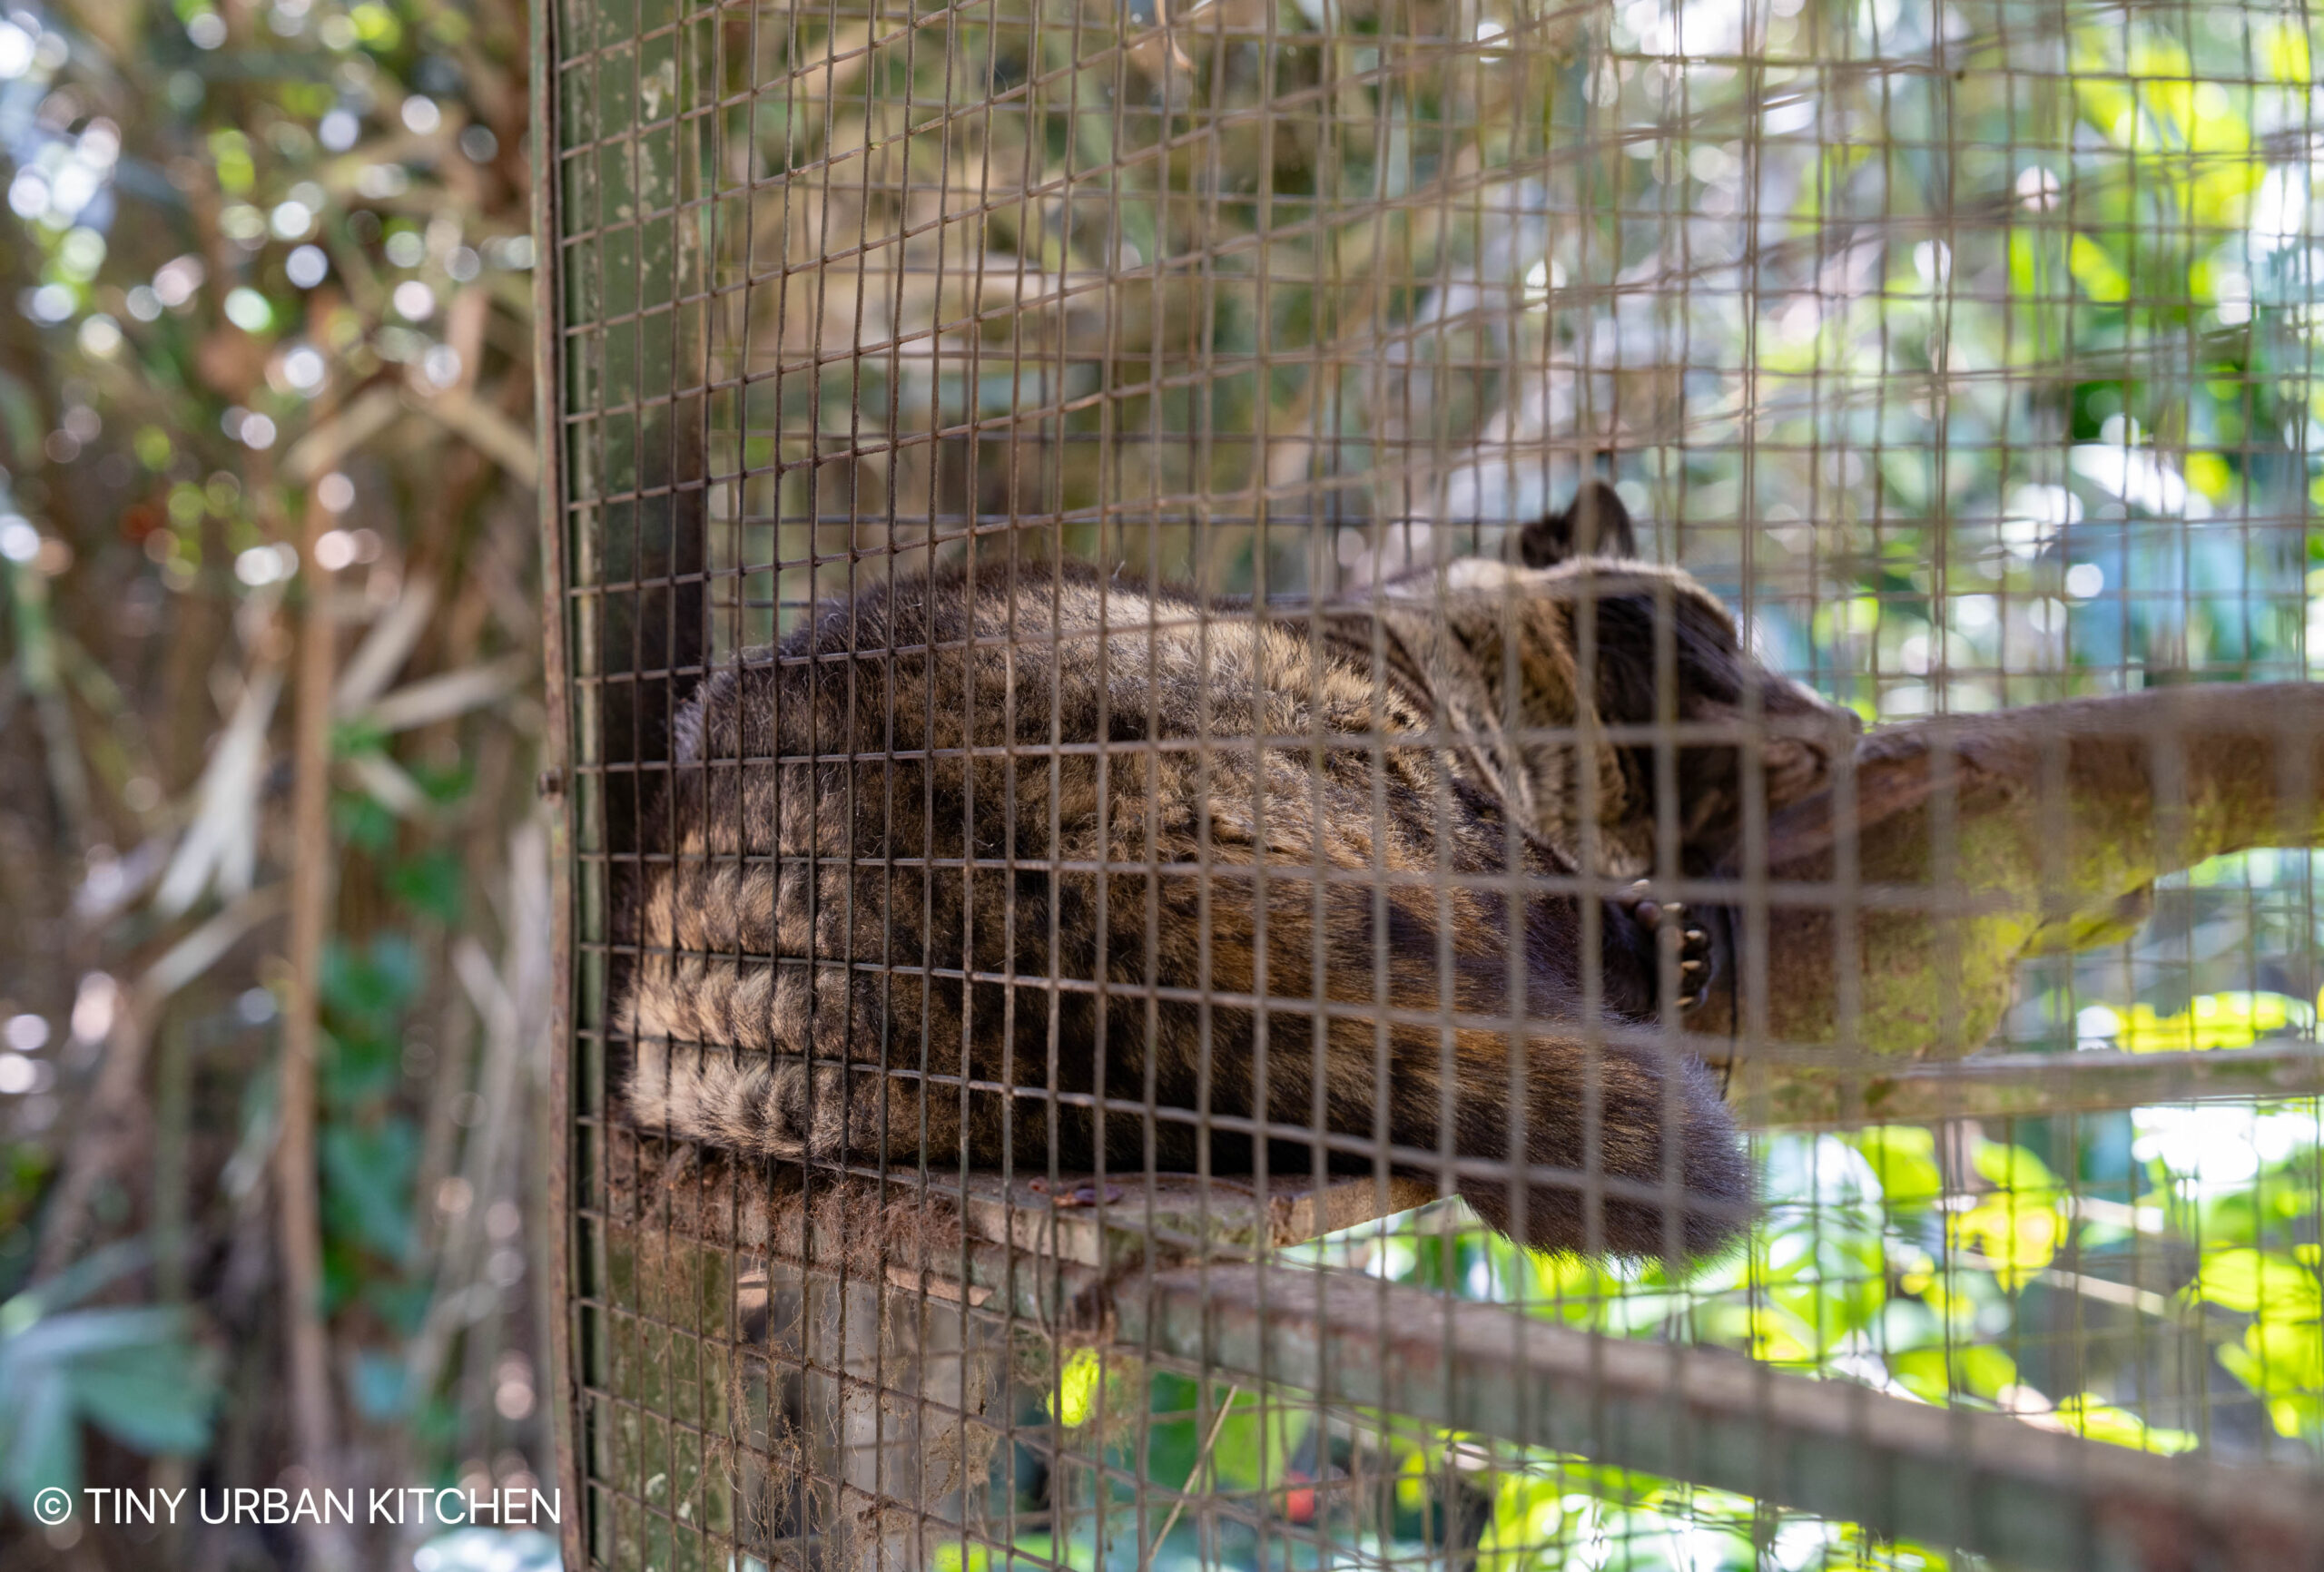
895	917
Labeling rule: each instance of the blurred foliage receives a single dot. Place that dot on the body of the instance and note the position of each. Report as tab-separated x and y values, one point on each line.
265	256
1941	1265
1980	386
132	1370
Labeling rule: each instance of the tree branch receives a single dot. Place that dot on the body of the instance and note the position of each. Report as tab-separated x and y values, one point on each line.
1896	906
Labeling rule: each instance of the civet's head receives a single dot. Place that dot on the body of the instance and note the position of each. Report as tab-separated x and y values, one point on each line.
1645	614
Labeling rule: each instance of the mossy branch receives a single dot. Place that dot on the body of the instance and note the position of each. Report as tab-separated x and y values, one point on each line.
1896	907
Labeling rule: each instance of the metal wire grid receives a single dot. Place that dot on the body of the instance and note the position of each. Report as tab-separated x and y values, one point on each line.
1900	324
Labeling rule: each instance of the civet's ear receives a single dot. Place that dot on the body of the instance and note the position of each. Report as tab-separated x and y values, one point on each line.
1594	523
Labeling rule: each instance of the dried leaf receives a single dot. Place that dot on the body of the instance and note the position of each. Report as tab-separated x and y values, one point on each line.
223	837
384	649
423	704
319	451
386	784
487	430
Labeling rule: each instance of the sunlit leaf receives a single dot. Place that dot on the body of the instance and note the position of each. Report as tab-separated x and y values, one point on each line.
2012	1168
1937	1374
957	1556
2102	279
2275	1288
2283	51
2016	1234
1075	1400
2211	1021
1904	1158
2100	1421
2282	1362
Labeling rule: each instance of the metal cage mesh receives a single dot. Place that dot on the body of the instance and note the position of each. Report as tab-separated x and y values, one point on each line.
1964	350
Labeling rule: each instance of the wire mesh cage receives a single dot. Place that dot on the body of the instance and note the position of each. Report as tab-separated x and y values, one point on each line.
1437	782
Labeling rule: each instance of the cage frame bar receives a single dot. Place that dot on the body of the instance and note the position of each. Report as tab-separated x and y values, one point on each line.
557	762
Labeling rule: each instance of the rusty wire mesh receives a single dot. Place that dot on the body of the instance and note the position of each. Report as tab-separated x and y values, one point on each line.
1963	349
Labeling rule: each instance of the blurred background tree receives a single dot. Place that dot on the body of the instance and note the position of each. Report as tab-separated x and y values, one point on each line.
266	365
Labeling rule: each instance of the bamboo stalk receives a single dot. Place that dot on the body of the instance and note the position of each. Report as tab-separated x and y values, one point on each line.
512	1004
38	665
298	1209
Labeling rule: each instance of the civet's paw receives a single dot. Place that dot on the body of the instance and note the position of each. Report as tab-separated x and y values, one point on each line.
1677	934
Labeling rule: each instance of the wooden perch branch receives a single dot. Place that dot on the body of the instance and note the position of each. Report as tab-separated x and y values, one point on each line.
1896	906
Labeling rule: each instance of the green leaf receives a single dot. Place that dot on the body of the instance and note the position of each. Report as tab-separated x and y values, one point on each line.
1937	1374
2283	45
1528	1516
1908	475
154	1399
2099	1420
377	26
349	738
2273	1287
367	1181
379	1388
2018	1235
444	784
43	1444
432	884
956	1555
58	1338
2100	279
2012	1168
1256	1441
361	822
1075	1402
2213	1021
1902	1157
371	982
2282	1364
